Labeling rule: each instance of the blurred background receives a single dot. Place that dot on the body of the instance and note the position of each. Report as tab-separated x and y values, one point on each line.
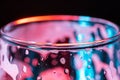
11	10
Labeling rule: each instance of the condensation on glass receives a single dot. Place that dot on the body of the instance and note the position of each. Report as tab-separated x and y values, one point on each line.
60	47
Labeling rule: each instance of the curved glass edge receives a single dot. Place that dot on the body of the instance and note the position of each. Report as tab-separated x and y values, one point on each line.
63	46
71	46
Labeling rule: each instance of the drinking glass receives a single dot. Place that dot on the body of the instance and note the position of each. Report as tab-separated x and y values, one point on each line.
60	47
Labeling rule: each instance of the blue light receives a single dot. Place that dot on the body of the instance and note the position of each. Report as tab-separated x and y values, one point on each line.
85	18
110	31
84	21
80	37
82	73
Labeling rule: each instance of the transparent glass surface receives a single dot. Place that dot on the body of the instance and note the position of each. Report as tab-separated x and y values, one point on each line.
60	47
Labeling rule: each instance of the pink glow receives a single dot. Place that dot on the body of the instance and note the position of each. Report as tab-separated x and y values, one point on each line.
24	70
53	74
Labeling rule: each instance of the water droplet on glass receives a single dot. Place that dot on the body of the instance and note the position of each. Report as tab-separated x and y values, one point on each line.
89	60
18	47
26	52
62	60
88	78
39	78
105	72
89	66
24	69
70	54
11	58
66	71
42	59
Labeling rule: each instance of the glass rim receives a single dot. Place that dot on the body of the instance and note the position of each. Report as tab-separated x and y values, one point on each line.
60	46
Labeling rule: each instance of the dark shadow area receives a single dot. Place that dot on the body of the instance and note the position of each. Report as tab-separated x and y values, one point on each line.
11	10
